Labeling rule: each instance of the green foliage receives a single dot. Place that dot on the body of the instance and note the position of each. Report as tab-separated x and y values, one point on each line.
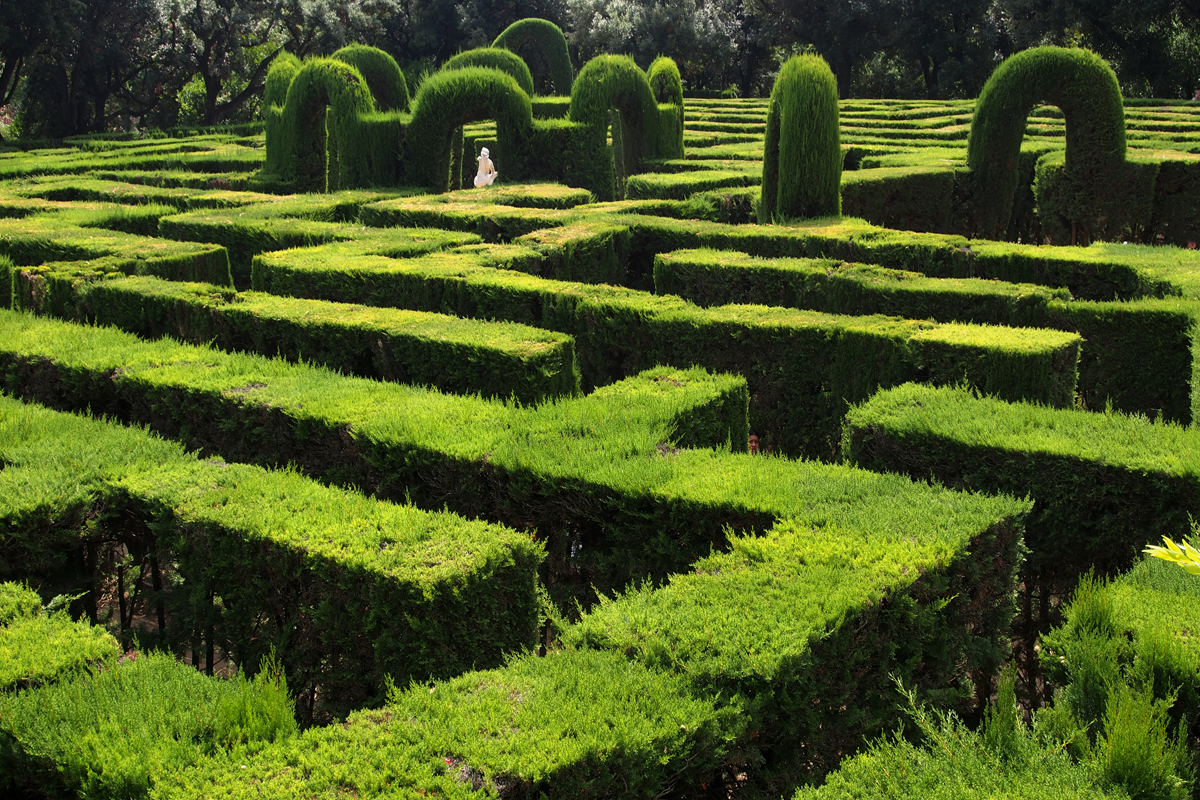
1085	88
544	44
747	628
268	560
279	79
950	761
1102	483
449	99
495	58
316	149
382	74
18	602
802	165
620	331
113	733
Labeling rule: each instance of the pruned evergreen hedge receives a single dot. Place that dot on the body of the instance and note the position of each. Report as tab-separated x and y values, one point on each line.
346	589
545	43
803	367
1103	484
802	164
495	58
1085	88
494	359
37	648
381	72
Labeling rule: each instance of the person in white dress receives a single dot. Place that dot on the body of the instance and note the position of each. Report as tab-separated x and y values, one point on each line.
487	172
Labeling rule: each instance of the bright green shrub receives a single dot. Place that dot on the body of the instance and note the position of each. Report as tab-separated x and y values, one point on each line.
802	632
545	47
449	99
616	82
319	150
566	725
267	560
18	602
1085	88
381	72
802	367
802	165
494	359
115	732
38	650
951	762
279	79
1136	355
495	58
1102	484
667	87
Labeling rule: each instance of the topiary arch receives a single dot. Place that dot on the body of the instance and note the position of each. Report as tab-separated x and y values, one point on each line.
495	58
1081	84
313	145
449	100
802	162
382	74
546	40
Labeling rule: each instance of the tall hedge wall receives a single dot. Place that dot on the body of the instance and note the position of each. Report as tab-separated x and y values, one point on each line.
546	45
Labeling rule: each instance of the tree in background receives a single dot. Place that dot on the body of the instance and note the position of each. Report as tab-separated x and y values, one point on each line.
953	43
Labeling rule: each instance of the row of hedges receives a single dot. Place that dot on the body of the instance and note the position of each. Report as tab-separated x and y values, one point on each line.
1102	484
803	367
736	674
78	721
1136	355
347	589
494	359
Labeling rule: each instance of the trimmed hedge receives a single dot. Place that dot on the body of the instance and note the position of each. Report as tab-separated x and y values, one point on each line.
115	733
381	72
47	238
803	367
449	99
347	589
38	648
565	726
494	359
1084	86
581	472
1103	485
802	165
547	45
801	633
494	58
1135	355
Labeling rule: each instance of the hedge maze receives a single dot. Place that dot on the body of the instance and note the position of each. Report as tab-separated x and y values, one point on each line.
458	482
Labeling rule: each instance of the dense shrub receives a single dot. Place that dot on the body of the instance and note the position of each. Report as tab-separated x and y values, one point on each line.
495	58
382	74
802	164
545	46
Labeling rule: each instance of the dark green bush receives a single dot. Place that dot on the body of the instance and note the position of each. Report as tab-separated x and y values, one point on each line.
802	164
495	58
545	46
1085	88
382	74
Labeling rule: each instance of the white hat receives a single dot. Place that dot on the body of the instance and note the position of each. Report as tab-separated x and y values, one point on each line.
483	151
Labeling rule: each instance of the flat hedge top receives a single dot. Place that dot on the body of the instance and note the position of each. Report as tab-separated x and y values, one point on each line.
1130	442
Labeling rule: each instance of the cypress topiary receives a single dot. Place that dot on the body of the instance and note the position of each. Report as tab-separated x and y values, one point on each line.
1085	88
616	82
279	78
546	42
382	74
326	95
802	163
495	58
448	100
667	87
